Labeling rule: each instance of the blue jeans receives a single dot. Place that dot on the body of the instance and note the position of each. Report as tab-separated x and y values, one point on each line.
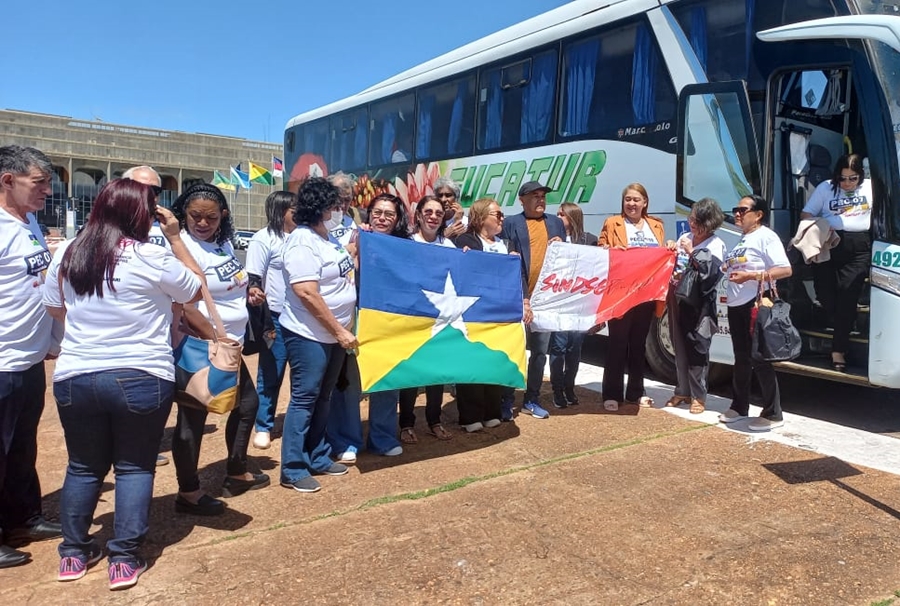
343	431
272	364
383	419
565	356
113	417
314	371
538	344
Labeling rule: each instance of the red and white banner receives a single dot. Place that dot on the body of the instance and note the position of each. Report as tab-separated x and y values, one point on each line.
582	286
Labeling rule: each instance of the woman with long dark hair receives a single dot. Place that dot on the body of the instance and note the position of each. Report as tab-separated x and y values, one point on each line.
265	269
115	378
205	220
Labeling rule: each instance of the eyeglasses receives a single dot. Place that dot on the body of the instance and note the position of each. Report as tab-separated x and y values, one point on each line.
633	199
387	214
740	210
496	213
156	189
850	179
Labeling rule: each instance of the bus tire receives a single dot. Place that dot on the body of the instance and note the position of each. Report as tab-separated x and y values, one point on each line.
660	353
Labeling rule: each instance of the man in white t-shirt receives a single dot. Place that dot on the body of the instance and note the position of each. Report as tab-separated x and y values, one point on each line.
25	341
148	176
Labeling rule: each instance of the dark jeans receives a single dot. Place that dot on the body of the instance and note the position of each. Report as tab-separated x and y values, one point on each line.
189	426
625	351
21	405
434	397
478	402
315	368
269	377
110	418
744	366
565	356
538	344
840	281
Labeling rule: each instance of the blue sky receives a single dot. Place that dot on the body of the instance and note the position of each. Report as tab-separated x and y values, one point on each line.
227	68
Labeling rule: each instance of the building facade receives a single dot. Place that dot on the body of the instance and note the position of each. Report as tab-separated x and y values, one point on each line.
87	154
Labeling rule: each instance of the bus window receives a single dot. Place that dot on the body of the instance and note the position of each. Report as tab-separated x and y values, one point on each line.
392	130
717	32
314	138
615	85
516	102
348	140
446	120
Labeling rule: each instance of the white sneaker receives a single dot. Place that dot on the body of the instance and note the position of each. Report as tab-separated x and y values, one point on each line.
764	424
261	440
394	452
611	405
473	427
730	416
348	457
492	423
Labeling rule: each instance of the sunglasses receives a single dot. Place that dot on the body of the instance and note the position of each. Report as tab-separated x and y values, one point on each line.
156	189
851	179
497	213
740	210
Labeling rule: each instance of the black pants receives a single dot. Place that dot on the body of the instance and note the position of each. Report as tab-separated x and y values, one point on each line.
21	405
478	402
839	283
744	366
625	351
189	426
434	397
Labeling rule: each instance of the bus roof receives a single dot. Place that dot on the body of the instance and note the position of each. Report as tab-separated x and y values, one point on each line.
554	24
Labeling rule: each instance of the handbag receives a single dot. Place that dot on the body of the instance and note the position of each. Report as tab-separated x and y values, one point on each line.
207	373
687	290
774	336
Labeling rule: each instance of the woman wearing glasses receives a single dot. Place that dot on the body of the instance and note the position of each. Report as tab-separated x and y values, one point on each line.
759	256
634	228
846	203
429	230
479	404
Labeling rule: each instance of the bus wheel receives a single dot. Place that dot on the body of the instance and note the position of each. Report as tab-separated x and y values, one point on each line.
660	352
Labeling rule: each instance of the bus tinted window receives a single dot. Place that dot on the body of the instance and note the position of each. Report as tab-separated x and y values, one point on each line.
445	126
717	32
348	140
314	138
392	130
516	102
615	84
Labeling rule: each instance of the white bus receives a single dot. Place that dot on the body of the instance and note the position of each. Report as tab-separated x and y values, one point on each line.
692	98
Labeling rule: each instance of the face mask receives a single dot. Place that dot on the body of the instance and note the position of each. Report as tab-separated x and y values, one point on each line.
334	220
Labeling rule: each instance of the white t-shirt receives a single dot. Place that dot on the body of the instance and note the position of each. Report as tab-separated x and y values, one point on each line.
495	246
439	241
227	281
759	250
640	238
264	260
128	327
850	211
713	243
344	232
157	237
308	257
25	326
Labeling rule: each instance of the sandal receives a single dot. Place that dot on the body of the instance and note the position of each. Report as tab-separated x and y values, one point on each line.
408	436
697	407
676	401
439	432
645	402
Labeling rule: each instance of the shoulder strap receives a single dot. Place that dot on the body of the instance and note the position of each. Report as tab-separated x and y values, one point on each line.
218	326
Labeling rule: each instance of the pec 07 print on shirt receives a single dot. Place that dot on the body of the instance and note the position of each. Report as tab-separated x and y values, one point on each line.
38	262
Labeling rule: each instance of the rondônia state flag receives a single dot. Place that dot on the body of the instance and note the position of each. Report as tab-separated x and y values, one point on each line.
582	286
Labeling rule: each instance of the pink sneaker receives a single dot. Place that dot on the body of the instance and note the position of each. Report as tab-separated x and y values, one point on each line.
72	568
123	575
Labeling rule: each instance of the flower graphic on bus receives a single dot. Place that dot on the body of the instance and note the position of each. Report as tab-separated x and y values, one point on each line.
418	183
308	165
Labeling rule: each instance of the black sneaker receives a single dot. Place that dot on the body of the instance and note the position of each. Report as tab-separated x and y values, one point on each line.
206	506
559	400
336	469
571	398
307	484
232	487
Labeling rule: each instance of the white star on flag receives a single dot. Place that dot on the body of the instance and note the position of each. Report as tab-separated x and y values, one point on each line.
451	307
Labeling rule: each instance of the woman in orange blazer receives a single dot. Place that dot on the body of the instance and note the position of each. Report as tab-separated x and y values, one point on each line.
628	334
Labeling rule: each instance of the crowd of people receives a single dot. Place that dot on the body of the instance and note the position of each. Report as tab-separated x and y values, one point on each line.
115	388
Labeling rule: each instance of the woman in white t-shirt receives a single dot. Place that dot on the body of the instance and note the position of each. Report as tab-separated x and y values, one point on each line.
429	224
207	229
316	323
692	324
846	203
759	252
265	270
115	379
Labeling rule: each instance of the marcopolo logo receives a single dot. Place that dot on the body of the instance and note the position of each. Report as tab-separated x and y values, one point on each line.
572	177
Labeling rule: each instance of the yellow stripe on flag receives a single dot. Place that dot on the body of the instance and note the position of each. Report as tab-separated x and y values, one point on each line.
405	334
508	338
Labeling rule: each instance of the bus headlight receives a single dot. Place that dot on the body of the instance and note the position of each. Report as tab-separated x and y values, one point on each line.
886	280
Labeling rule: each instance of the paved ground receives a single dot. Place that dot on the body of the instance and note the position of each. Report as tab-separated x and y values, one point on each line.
587	507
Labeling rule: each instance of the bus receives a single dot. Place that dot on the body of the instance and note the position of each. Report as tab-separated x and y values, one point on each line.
692	98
